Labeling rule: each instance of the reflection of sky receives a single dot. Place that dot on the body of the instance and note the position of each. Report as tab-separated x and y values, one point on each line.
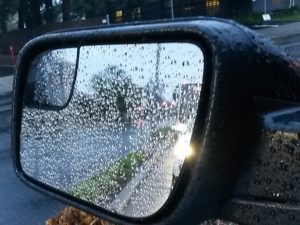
284	120
178	63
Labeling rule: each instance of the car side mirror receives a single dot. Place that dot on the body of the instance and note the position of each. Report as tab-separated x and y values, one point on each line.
123	126
151	123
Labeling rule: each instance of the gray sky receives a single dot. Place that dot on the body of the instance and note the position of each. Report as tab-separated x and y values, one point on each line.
178	63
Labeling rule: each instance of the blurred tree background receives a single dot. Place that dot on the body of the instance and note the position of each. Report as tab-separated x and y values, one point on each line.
30	13
7	8
21	14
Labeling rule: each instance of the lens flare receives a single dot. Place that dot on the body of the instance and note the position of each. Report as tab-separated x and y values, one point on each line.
183	149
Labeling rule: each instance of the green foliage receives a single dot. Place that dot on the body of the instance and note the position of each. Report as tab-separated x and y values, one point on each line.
286	15
249	19
278	16
115	88
109	181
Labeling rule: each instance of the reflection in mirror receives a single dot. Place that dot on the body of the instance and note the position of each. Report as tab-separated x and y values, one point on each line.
122	140
50	84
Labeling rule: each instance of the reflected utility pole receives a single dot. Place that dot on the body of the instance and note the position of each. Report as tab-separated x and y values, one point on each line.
107	19
172	9
157	66
292	3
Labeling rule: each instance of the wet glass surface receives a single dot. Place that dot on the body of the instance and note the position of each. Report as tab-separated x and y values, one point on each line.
121	141
50	84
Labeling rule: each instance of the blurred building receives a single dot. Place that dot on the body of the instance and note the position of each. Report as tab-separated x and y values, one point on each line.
162	9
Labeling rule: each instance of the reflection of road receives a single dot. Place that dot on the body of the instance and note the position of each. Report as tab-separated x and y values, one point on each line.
151	187
147	192
67	157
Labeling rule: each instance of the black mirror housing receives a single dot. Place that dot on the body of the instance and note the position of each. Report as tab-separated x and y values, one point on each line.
245	78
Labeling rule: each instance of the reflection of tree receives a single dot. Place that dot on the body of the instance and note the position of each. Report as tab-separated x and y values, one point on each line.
176	93
115	90
155	88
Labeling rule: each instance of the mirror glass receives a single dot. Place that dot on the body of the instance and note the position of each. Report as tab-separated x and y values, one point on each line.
121	141
50	84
